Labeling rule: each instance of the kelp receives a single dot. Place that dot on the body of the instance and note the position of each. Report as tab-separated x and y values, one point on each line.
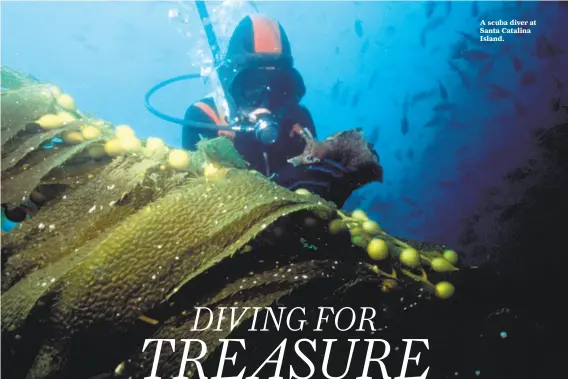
16	149
128	240
258	290
22	106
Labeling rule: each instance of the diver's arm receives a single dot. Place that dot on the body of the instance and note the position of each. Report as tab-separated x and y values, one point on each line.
190	135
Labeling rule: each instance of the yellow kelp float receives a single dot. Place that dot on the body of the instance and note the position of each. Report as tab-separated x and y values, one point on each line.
130	235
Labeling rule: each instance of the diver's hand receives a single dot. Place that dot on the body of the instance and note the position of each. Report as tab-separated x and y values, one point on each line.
326	178
346	162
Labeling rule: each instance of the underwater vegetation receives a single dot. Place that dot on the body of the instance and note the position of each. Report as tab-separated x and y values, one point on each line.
129	235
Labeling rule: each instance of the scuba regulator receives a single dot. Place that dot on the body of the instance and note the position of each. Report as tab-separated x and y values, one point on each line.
265	127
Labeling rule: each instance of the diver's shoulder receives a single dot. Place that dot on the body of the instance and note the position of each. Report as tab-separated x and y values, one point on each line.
302	112
209	100
301	109
198	110
197	107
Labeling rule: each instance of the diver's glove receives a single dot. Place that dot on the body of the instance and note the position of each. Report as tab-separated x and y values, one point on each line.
333	168
326	178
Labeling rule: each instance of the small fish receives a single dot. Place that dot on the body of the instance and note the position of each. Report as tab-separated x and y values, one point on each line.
517	64
90	47
498	92
364	47
470	38
404	126
344	96
408	201
448	8
430	7
416	213
423	38
410	153
528	78
458	49
545	49
435	50
474	9
463	77
358	26
421	96
443	91
395	102
374	135
405	106
390	30
335	90
398	155
337	50
443	107
474	55
355	99
486	69
483	16
435	23
372	80
79	38
430	26
436	121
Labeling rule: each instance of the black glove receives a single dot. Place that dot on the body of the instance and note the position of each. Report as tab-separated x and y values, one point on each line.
344	162
326	178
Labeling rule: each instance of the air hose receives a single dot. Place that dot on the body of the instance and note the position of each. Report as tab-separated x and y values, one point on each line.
265	128
176	120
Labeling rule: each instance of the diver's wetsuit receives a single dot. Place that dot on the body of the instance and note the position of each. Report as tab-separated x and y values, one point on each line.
266	159
258	73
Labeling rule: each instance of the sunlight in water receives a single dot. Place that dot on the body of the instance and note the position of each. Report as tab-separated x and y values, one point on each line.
224	16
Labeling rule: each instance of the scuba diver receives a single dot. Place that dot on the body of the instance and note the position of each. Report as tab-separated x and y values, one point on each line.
259	77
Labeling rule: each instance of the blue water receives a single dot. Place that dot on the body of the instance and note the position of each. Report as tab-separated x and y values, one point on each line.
7	225
107	55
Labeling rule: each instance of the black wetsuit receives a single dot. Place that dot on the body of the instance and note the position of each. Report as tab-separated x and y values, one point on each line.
266	159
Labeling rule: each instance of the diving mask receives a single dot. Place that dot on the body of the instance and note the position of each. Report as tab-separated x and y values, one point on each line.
268	87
